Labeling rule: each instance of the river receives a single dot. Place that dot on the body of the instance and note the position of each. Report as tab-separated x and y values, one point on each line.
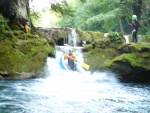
72	92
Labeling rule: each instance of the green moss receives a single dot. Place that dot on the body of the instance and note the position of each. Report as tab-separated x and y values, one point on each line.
85	36
132	59
97	58
51	42
142	46
96	35
87	48
145	54
138	47
59	34
19	34
64	34
101	43
17	56
90	36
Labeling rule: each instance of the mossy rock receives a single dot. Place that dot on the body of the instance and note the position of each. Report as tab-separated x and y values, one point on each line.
131	65
19	34
23	56
101	43
97	58
87	48
59	34
85	36
96	35
51	42
89	36
138	47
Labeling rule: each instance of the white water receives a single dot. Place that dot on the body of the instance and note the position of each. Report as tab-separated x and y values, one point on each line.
72	92
127	38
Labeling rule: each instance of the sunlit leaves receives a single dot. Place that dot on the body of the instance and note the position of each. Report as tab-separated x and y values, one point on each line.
63	9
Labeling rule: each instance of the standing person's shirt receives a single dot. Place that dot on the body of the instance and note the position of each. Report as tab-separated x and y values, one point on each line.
135	25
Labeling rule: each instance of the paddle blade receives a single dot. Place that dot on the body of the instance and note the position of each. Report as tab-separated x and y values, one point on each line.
86	66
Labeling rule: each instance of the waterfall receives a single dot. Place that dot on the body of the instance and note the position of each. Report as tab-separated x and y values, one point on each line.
139	39
106	34
126	38
73	38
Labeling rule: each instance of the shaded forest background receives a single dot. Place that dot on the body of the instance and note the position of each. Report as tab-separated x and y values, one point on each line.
103	15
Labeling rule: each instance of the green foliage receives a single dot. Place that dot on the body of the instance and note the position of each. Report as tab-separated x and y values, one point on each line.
35	17
106	15
94	15
114	37
148	32
3	22
63	9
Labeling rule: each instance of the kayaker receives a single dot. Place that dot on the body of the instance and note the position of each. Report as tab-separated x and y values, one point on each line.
71	60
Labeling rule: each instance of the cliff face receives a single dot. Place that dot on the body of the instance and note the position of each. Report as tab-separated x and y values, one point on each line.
17	12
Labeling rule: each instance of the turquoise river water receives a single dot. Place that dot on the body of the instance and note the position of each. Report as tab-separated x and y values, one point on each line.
72	92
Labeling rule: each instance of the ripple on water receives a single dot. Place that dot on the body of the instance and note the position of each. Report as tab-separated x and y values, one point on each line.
73	93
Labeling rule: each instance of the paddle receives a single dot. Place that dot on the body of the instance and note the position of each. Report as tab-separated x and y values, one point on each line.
86	66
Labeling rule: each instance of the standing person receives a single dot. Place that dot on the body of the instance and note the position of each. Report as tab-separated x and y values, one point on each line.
135	24
71	60
27	28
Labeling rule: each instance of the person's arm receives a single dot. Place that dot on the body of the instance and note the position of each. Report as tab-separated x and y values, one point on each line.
75	58
66	56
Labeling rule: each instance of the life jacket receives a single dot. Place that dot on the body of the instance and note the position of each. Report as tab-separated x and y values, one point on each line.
71	59
26	28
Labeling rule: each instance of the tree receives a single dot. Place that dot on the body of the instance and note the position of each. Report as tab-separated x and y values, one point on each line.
106	15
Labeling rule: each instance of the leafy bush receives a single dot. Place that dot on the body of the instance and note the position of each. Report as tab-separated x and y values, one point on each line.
3	22
114	37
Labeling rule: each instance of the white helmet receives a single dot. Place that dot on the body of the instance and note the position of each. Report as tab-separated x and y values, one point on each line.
134	17
70	50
